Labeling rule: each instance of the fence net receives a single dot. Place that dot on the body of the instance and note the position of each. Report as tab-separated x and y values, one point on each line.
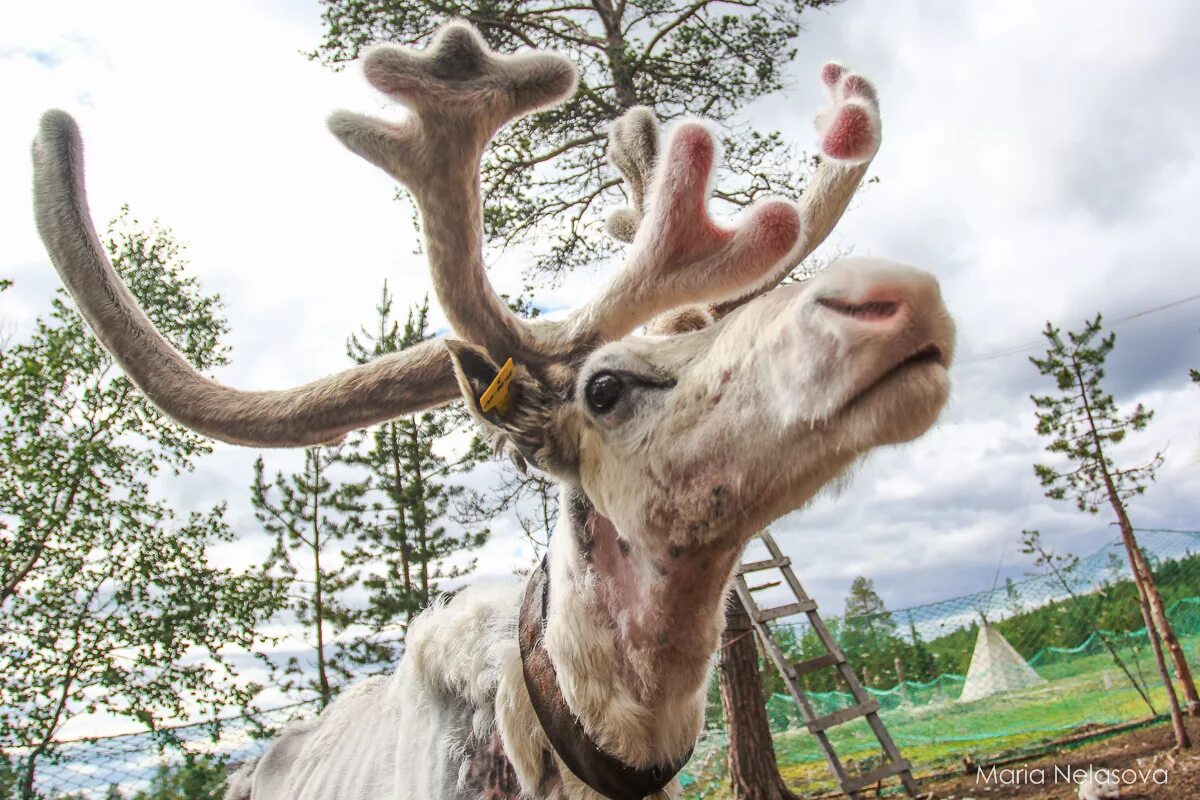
1062	654
1071	656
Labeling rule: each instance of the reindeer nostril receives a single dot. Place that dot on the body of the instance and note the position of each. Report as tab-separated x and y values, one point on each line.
869	311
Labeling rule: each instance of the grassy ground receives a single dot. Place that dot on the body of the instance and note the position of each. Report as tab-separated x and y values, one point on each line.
1081	693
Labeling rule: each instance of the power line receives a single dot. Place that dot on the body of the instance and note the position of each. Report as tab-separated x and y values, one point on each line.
1163	530
1023	348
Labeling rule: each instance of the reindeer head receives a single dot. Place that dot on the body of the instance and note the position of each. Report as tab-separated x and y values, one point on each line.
740	401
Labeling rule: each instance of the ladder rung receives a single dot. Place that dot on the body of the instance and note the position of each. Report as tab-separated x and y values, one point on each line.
876	775
768	614
814	664
762	586
759	566
845	715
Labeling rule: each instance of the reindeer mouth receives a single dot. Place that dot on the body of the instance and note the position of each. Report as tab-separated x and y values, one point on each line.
929	355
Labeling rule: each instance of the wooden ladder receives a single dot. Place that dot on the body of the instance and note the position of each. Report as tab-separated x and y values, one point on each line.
864	706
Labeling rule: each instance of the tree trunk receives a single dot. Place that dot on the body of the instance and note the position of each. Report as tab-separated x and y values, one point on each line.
618	64
318	600
398	475
27	776
753	771
1142	691
1157	625
1183	672
1144	582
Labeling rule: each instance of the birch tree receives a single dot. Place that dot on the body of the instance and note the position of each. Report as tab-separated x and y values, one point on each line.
109	602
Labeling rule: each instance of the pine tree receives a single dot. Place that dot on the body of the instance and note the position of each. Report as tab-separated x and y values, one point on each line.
921	665
405	543
530	496
311	514
544	178
1083	424
869	631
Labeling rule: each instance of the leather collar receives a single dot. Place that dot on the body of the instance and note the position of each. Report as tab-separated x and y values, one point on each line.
603	772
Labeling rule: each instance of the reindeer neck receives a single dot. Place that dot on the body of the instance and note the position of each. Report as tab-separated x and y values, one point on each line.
631	630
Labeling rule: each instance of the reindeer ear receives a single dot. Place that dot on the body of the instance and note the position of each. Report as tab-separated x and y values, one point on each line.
526	418
475	371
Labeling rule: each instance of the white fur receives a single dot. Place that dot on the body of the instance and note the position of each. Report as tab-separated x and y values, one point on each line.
802	400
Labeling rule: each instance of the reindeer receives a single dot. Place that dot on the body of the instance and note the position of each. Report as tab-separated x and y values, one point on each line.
742	398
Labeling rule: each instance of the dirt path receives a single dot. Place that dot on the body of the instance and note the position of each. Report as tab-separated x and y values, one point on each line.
1148	769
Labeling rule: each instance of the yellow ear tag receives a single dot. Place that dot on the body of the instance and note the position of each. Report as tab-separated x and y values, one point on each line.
497	395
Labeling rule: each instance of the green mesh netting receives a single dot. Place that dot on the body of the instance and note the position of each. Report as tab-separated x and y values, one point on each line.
1065	627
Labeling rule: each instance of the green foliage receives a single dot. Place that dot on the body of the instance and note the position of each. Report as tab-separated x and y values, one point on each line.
919	661
9	778
1082	421
545	179
108	602
196	778
868	633
404	544
310	515
875	642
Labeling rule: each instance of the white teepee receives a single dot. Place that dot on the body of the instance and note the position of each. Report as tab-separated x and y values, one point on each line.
996	668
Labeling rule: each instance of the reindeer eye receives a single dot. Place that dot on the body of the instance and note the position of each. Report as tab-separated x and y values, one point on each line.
603	391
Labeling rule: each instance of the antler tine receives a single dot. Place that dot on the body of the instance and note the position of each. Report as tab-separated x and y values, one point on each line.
316	413
680	256
632	149
850	135
460	93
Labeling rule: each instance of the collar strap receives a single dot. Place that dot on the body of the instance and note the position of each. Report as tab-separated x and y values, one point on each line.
601	771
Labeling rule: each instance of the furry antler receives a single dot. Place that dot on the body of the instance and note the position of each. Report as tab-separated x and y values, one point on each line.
680	256
632	149
460	93
415	379
850	132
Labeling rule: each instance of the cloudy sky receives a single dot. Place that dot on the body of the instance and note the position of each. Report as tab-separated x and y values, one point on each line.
1043	159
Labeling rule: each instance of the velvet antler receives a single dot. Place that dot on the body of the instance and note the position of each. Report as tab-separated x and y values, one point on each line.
680	256
849	131
675	228
632	149
418	378
459	94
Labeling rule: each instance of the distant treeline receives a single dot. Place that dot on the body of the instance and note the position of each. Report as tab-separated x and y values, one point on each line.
875	644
